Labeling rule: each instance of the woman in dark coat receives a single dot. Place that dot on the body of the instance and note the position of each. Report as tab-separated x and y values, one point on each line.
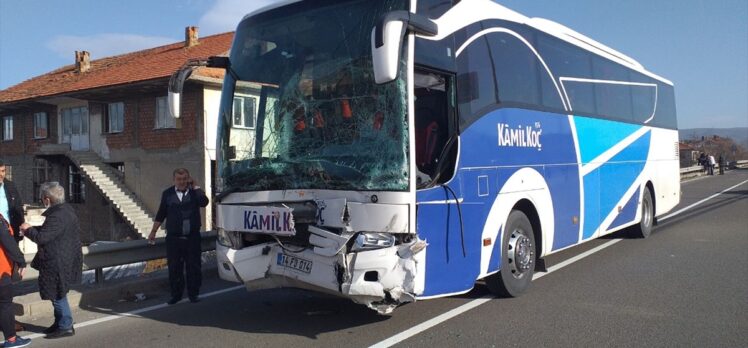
59	258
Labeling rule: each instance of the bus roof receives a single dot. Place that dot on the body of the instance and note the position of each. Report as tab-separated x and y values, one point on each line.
554	29
269	7
471	11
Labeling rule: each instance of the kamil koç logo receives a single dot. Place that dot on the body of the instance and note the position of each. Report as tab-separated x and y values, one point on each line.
520	136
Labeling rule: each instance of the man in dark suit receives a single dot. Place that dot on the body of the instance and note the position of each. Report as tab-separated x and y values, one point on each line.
180	207
11	205
59	258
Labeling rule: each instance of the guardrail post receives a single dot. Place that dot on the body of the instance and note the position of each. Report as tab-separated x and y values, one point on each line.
99	276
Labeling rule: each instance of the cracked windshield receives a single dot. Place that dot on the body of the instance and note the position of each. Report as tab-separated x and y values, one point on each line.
300	107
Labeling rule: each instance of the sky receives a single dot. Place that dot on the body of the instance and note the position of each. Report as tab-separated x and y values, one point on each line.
699	45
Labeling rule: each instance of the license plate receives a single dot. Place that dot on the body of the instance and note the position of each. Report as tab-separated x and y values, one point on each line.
294	262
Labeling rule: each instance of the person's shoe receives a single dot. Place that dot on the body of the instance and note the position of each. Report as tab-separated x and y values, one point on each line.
59	333
19	342
194	299
173	300
51	329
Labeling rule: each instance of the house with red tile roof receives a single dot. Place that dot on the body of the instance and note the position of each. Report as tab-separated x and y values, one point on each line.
101	127
688	155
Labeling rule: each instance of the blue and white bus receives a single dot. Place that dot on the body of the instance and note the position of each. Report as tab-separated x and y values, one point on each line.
394	150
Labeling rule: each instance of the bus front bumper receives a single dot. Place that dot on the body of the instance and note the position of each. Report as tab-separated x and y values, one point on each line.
381	279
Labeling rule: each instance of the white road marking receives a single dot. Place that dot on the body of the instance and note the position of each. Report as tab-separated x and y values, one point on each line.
136	313
699	202
479	301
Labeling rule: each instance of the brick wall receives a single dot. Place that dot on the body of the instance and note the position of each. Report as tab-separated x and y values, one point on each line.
127	138
23	131
140	122
33	145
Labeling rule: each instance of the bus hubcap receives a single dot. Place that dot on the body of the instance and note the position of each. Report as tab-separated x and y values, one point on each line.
521	253
647	218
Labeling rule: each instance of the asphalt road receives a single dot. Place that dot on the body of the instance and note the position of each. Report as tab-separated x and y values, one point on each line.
686	285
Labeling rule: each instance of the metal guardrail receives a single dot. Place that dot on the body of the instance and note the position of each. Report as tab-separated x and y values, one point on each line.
691	172
100	256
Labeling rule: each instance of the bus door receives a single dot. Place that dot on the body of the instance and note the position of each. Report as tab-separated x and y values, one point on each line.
440	214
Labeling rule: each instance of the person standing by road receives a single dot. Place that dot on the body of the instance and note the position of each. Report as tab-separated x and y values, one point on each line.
711	163
180	207
721	165
10	256
703	161
59	258
11	206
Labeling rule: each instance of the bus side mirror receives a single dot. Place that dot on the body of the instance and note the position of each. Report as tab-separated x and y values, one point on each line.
387	41
176	82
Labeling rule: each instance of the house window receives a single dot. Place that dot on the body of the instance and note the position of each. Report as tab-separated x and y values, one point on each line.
115	118
8	128
76	185
41	125
244	112
163	118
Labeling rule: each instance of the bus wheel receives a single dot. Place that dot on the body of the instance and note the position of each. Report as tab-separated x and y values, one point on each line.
644	228
517	258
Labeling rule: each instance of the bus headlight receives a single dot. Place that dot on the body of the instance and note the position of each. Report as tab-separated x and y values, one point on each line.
229	239
223	238
372	240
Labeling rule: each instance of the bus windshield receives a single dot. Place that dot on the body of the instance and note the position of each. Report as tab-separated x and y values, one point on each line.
300	109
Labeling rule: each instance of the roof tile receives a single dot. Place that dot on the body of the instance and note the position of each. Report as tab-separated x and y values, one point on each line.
149	64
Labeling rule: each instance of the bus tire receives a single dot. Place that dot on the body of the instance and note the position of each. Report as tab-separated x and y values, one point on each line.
644	228
517	258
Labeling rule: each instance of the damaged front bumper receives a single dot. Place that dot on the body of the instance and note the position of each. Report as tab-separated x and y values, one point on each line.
381	279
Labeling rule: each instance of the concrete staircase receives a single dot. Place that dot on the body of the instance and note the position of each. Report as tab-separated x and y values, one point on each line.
108	182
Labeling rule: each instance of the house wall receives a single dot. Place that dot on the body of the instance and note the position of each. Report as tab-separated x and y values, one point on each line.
20	171
15	146
96	124
32	144
18	153
97	218
150	155
211	104
11	152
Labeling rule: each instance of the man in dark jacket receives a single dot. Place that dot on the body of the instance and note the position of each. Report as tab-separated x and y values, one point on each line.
59	258
11	205
180	207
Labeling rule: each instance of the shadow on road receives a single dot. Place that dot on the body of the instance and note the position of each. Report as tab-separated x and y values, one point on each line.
275	311
708	207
